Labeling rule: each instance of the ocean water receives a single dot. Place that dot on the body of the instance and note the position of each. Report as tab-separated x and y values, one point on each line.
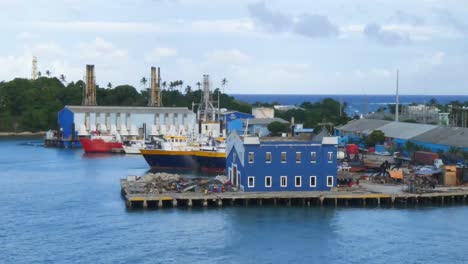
356	103
61	206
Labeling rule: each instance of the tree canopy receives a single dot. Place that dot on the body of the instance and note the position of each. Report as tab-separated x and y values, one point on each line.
276	128
374	138
32	105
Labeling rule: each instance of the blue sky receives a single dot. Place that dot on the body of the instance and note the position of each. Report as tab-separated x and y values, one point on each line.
276	46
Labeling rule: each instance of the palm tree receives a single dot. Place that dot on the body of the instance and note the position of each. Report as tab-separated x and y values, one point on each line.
109	85
223	83
188	89
181	83
164	85
47	73
171	86
39	74
143	81
199	85
62	78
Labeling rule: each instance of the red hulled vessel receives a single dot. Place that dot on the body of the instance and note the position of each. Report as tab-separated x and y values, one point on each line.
101	144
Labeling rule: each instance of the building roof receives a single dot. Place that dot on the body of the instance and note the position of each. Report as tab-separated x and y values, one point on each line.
404	130
264	121
319	137
365	126
228	112
450	136
127	109
330	141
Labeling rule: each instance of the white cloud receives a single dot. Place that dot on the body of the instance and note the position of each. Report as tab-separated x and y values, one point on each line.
240	25
415	32
18	66
158	53
232	56
438	58
26	35
102	48
48	48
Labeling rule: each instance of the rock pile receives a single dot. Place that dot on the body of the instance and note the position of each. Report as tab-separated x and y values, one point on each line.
159	183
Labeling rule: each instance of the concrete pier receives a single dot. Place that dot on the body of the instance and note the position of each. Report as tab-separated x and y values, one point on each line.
325	199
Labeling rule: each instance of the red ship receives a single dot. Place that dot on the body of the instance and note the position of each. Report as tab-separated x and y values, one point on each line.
101	144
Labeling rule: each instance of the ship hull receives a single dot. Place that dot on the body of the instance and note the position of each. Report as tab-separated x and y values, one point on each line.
213	162
100	146
132	150
185	160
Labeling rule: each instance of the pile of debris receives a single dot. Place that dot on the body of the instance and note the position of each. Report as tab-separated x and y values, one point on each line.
159	183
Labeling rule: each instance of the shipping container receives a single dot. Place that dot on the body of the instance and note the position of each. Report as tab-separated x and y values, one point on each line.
424	158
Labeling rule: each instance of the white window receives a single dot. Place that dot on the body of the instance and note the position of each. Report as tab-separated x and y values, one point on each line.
298	181
251	157
283	157
268	157
313	157
284	181
329	181
268	181
313	181
298	157
330	157
251	181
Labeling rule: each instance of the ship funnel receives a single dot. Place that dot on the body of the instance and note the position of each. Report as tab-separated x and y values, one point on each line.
89	93
155	99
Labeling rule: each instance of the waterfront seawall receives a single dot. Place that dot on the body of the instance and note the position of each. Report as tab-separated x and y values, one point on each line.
135	199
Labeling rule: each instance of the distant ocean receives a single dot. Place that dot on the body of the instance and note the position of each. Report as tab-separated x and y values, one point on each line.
356	103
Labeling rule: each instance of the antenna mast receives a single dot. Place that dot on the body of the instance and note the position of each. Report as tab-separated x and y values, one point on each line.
397	118
34	68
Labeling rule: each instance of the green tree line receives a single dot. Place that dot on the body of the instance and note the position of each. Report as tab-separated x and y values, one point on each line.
32	105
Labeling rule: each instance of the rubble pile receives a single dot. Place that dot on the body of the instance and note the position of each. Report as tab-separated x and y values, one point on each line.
159	183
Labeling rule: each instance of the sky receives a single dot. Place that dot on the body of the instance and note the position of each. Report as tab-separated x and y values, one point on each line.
260	47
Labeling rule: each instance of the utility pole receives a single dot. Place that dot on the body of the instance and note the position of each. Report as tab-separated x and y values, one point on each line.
397	118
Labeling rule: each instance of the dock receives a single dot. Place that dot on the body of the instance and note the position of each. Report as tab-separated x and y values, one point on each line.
135	200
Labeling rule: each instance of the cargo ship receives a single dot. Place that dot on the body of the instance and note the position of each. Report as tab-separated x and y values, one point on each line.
102	144
184	154
203	151
179	152
196	160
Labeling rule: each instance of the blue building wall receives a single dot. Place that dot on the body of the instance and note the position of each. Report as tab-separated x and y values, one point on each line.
431	146
65	121
232	121
260	168
237	125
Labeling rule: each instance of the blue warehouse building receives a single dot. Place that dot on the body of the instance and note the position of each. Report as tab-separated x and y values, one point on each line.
233	120
75	121
281	164
397	134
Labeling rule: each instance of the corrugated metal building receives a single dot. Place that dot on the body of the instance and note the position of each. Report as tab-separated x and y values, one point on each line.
281	164
442	138
436	138
400	132
74	119
356	129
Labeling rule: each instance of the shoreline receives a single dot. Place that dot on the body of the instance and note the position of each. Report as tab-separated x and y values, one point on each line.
23	134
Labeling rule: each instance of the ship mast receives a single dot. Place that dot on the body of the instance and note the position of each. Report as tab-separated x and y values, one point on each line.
397	100
207	110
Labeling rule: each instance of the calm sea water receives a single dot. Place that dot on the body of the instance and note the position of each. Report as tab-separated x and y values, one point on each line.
356	103
60	206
